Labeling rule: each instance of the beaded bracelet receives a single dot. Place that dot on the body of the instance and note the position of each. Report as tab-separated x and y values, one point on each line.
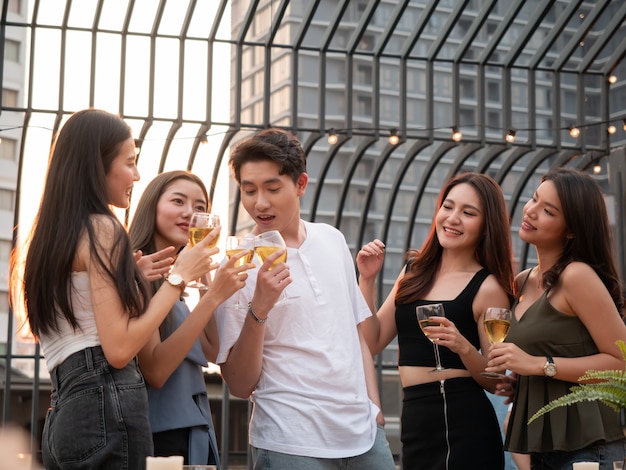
256	319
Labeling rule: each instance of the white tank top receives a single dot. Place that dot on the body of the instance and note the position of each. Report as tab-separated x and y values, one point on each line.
59	346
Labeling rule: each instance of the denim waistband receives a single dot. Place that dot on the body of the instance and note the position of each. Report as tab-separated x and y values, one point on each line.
88	358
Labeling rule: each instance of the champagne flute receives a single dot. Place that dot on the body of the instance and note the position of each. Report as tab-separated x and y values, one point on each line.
497	322
267	243
234	246
424	312
200	225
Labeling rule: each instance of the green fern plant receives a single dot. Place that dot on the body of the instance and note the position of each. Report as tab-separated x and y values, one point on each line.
608	386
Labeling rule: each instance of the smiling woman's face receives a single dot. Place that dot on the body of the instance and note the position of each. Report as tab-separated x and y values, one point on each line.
173	212
460	219
543	222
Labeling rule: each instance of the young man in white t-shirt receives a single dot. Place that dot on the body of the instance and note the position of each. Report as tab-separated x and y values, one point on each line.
302	361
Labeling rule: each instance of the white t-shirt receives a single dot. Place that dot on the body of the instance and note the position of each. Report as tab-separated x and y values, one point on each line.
311	399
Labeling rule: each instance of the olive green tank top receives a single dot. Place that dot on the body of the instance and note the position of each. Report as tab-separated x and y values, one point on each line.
541	331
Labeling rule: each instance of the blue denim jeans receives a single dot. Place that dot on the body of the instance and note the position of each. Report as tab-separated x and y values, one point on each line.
604	452
98	416
377	458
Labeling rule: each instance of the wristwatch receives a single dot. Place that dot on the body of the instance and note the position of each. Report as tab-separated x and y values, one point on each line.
550	367
176	280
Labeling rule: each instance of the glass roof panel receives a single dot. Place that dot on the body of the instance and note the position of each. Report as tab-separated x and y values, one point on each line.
82	14
174	18
113	15
144	14
50	12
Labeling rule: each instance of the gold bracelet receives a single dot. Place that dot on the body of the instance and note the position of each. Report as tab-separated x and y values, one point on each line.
256	319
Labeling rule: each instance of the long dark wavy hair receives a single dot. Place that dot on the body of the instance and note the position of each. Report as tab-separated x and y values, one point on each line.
586	218
493	251
75	191
143	227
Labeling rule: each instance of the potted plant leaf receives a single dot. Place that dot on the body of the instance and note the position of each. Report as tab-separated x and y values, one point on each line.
608	386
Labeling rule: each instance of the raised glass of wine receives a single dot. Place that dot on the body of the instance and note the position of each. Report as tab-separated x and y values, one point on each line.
424	314
200	225
234	246
268	243
497	322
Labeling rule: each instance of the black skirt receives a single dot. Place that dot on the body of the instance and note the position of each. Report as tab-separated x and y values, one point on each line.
449	427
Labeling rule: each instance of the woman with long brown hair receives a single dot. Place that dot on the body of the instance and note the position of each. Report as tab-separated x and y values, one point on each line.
172	361
464	264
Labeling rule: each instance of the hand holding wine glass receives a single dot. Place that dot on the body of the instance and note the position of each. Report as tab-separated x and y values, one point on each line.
234	246
497	322
265	245
200	225
424	314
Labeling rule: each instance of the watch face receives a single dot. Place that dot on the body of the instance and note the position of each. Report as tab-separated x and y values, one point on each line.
175	279
550	370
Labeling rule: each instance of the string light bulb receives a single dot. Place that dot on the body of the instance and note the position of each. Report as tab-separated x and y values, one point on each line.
204	140
612	78
393	137
624	124
456	134
597	168
574	132
611	129
510	136
332	137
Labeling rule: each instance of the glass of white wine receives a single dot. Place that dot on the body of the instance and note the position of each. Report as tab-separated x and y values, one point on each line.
200	225
497	322
424	312
234	246
267	243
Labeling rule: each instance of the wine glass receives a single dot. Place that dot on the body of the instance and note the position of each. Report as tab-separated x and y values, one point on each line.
234	246
267	243
497	322
200	225
424	312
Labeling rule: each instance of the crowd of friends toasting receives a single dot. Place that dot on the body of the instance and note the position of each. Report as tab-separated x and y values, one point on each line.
296	333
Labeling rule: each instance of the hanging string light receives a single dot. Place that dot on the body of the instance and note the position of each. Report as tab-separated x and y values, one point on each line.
510	136
394	139
332	137
456	134
597	168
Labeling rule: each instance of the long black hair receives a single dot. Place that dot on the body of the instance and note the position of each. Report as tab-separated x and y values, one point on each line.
587	220
75	191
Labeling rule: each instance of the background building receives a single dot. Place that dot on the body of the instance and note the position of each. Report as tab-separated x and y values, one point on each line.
13	84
